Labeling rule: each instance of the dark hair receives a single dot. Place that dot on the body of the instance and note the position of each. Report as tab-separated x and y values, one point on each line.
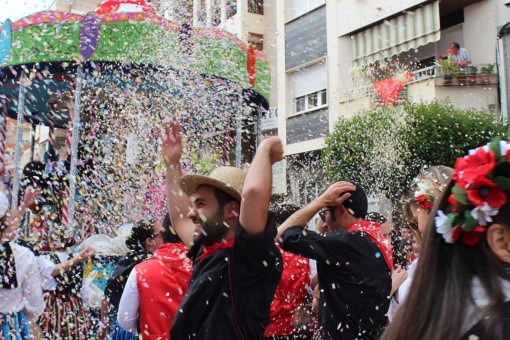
441	288
283	212
61	235
456	44
142	230
358	201
33	174
375	217
169	236
223	198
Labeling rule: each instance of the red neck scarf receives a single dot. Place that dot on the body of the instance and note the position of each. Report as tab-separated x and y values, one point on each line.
373	230
209	250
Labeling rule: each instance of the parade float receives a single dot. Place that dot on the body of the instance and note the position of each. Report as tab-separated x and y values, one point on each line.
109	78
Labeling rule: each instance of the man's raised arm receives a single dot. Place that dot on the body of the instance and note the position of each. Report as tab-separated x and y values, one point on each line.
178	201
257	186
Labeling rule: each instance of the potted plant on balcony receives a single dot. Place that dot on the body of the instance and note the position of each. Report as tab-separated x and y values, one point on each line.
472	71
462	76
486	72
448	67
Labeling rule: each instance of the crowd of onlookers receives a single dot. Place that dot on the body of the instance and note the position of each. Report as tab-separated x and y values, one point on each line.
222	265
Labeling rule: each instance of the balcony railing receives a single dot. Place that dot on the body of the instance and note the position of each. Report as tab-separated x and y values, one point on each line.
472	75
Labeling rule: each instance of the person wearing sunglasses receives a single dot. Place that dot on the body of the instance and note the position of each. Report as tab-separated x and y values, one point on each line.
354	261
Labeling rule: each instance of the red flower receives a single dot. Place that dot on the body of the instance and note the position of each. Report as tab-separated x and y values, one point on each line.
472	237
483	190
456	233
424	202
452	200
449	51
440	56
460	166
471	168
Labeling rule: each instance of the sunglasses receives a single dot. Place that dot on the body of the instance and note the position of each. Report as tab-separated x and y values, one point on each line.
322	213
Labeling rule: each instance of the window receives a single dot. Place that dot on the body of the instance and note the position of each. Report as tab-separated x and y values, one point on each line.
310	101
231	8
257	40
300	104
256	6
300	7
308	87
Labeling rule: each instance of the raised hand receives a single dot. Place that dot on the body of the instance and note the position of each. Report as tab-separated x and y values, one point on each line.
172	143
85	255
275	148
336	194
31	195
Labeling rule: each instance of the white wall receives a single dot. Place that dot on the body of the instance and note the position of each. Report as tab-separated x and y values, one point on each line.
480	31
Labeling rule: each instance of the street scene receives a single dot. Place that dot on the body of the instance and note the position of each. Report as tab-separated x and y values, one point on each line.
254	169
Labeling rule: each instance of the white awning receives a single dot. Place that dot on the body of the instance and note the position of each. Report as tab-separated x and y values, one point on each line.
400	34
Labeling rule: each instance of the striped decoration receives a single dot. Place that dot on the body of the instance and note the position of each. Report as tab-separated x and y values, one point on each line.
66	198
411	30
3	136
51	126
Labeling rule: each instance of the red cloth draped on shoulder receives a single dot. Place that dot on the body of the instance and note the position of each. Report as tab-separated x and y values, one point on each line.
373	230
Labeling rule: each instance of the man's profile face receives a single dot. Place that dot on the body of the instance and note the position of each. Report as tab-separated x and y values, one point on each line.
208	217
454	49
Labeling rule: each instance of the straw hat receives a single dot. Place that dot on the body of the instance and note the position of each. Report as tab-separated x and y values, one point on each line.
225	178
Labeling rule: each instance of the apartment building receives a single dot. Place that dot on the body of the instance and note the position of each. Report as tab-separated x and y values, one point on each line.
325	44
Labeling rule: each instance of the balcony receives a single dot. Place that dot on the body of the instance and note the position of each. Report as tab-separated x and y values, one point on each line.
472	75
474	90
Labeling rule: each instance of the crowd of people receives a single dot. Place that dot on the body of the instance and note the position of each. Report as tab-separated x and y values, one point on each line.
222	265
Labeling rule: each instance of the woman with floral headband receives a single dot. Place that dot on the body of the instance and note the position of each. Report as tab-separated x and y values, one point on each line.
462	282
425	191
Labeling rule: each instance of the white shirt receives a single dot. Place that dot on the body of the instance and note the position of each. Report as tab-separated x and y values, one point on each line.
481	300
462	55
129	305
46	267
49	282
28	295
403	290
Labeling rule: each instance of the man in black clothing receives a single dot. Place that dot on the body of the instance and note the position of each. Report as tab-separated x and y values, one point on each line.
236	265
353	262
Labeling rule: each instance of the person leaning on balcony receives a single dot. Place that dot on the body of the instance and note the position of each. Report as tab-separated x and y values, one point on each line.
460	55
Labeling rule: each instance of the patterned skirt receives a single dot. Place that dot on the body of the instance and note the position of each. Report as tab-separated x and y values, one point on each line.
14	326
64	317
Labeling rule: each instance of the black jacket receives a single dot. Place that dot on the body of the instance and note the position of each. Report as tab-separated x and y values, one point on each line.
231	290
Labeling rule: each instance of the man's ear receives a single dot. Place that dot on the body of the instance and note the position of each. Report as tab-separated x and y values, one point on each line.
232	210
341	210
149	241
498	239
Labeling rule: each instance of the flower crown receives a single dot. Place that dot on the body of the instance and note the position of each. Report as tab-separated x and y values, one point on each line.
481	179
425	195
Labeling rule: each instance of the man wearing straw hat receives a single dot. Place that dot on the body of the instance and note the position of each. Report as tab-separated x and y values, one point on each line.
236	265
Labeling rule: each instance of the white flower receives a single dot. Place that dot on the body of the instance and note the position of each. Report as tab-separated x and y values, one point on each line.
483	214
424	188
503	145
473	151
443	228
